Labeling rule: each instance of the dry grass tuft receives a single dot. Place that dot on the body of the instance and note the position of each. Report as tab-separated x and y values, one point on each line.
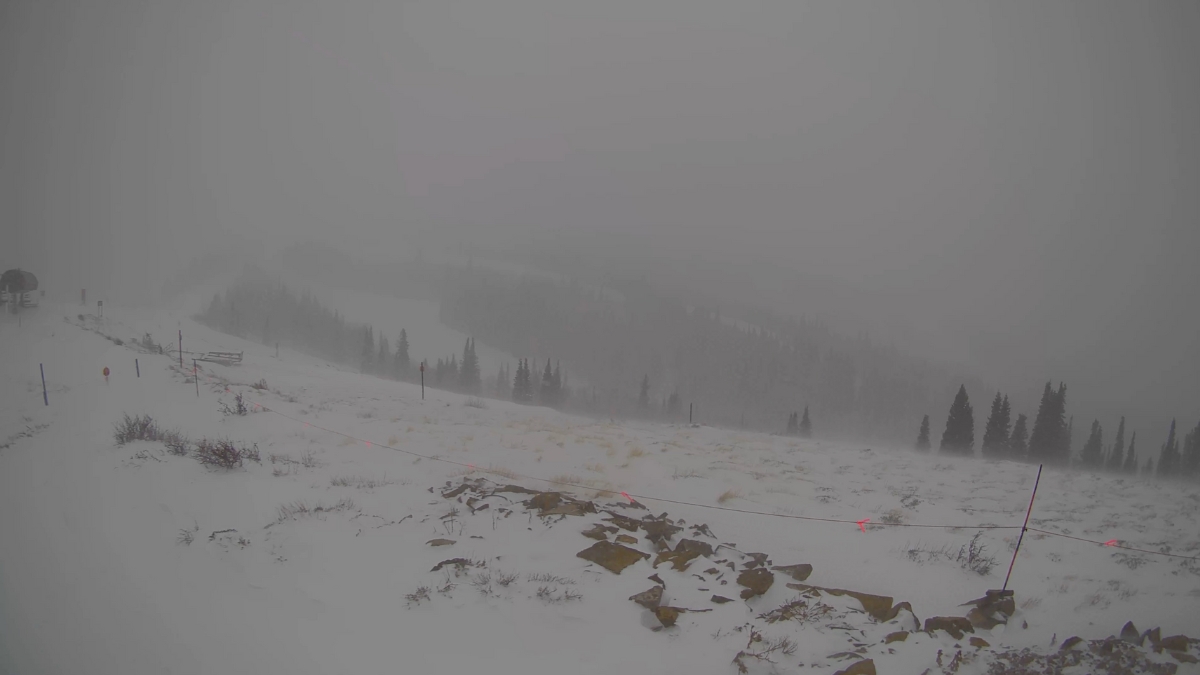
728	495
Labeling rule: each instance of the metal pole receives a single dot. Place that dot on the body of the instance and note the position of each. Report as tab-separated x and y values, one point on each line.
422	380
196	377
137	367
1023	528
45	399
181	349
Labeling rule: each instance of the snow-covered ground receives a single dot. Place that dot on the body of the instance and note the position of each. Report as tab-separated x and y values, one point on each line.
127	559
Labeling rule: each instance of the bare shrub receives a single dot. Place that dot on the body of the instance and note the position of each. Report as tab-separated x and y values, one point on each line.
475	402
308	459
298	509
553	595
238	408
505	579
185	537
797	610
261	385
224	454
418	596
893	517
763	650
177	444
359	482
136	428
971	557
547	578
728	495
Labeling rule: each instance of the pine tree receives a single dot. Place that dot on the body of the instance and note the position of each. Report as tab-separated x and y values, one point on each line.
1116	458
805	425
1018	442
923	444
1191	453
1131	456
401	364
793	427
557	381
516	382
1148	469
1168	457
1049	442
368	349
644	396
468	376
501	381
1064	451
547	391
959	436
1092	455
383	360
995	434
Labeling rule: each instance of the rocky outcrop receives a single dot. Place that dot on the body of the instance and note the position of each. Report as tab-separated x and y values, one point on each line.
864	667
612	557
756	582
650	598
797	572
956	626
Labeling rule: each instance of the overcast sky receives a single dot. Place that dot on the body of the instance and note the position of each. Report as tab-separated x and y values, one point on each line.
1014	185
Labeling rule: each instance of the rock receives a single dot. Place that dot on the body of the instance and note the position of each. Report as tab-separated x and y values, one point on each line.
978	642
712	570
878	606
898	636
980	620
659	530
864	667
655	578
678	559
667	616
1175	643
544	501
625	539
1183	657
756	560
649	598
757	582
623	522
612	557
456	491
797	572
1153	635
457	562
956	626
517	489
1070	643
720	600
599	532
440	542
700	547
569	508
1130	634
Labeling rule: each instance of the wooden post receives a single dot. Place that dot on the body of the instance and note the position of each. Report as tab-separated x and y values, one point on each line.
422	369
45	398
196	377
689	413
137	367
181	349
1023	528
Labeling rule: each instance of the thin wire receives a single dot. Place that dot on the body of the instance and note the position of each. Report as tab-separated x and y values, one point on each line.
1108	545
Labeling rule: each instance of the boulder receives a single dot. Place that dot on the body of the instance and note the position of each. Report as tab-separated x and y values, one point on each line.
756	581
440	542
1070	643
898	636
650	598
1175	643
878	606
1130	634
956	626
720	600
599	532
978	642
864	667
456	491
544	501
1153	635
625	539
460	563
667	616
1183	657
569	508
679	559
656	579
659	529
980	620
612	557
756	560
623	522
699	547
797	572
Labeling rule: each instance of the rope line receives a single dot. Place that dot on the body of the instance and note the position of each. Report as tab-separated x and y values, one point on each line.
1108	545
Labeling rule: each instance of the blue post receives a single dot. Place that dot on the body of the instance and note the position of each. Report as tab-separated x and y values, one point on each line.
45	398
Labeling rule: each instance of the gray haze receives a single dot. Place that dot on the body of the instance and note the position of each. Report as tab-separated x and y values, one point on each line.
1009	186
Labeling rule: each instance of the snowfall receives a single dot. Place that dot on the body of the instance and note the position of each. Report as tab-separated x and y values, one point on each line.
320	557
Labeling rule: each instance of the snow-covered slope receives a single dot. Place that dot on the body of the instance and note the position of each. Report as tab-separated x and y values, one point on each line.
128	559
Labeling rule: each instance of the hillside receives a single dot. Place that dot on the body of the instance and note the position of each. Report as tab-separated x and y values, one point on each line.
317	556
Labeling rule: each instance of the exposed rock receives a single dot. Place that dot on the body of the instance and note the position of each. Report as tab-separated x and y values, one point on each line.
1175	643
980	620
1154	635
659	529
544	501
610	556
440	542
712	570
667	616
878	606
700	547
655	578
599	532
517	489
1070	643
898	636
864	667
457	562
756	581
570	508
797	572
625	539
649	598
756	560
678	559
456	491
978	642
1183	657
720	599
1130	634
956	626
623	522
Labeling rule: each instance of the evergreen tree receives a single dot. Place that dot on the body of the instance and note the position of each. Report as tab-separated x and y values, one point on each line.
793	426
1049	442
368	349
547	391
644	396
502	382
1168	457
1092	456
995	434
1191	453
383	360
1064	450
400	363
673	405
805	425
1018	441
959	436
468	378
516	382
923	444
557	381
1148	469
452	370
1116	458
1131	456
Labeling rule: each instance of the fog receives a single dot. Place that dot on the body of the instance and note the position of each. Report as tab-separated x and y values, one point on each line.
1008	188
